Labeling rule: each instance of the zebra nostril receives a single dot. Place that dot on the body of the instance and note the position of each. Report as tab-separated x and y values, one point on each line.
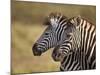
35	50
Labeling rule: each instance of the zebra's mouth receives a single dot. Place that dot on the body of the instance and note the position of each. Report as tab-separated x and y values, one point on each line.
35	51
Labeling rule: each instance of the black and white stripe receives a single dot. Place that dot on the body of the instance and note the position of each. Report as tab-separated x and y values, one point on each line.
82	46
53	35
69	58
75	38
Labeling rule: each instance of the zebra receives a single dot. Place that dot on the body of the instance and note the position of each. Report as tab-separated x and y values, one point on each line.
53	35
82	56
76	32
69	62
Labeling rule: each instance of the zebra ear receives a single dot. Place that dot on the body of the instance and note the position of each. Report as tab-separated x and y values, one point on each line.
51	22
78	18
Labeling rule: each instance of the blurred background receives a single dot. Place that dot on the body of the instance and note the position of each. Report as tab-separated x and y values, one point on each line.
27	26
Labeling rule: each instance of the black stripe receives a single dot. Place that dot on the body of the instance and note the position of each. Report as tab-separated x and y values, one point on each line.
92	37
69	58
88	34
61	69
74	65
64	59
89	51
84	36
72	59
59	31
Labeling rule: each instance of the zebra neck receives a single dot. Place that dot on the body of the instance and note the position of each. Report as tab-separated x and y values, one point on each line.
76	38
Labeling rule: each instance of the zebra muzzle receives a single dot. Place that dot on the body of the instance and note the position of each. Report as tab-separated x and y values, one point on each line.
35	50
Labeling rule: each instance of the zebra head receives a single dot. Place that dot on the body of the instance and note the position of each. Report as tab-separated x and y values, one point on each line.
66	48
53	35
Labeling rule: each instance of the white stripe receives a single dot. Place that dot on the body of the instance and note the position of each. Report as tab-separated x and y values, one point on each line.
66	60
90	33
89	58
81	22
59	18
87	28
76	66
94	34
93	63
62	21
84	22
69	61
71	66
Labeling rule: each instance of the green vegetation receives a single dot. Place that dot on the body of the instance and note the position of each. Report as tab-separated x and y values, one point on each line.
27	20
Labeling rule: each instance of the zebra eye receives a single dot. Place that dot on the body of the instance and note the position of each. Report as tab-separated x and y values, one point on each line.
46	33
68	36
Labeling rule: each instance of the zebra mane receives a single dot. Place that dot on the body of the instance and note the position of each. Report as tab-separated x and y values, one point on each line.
84	18
58	17
77	19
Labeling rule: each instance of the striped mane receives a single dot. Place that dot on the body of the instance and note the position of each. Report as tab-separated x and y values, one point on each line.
78	18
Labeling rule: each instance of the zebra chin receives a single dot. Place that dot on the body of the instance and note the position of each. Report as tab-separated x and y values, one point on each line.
36	51
56	58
